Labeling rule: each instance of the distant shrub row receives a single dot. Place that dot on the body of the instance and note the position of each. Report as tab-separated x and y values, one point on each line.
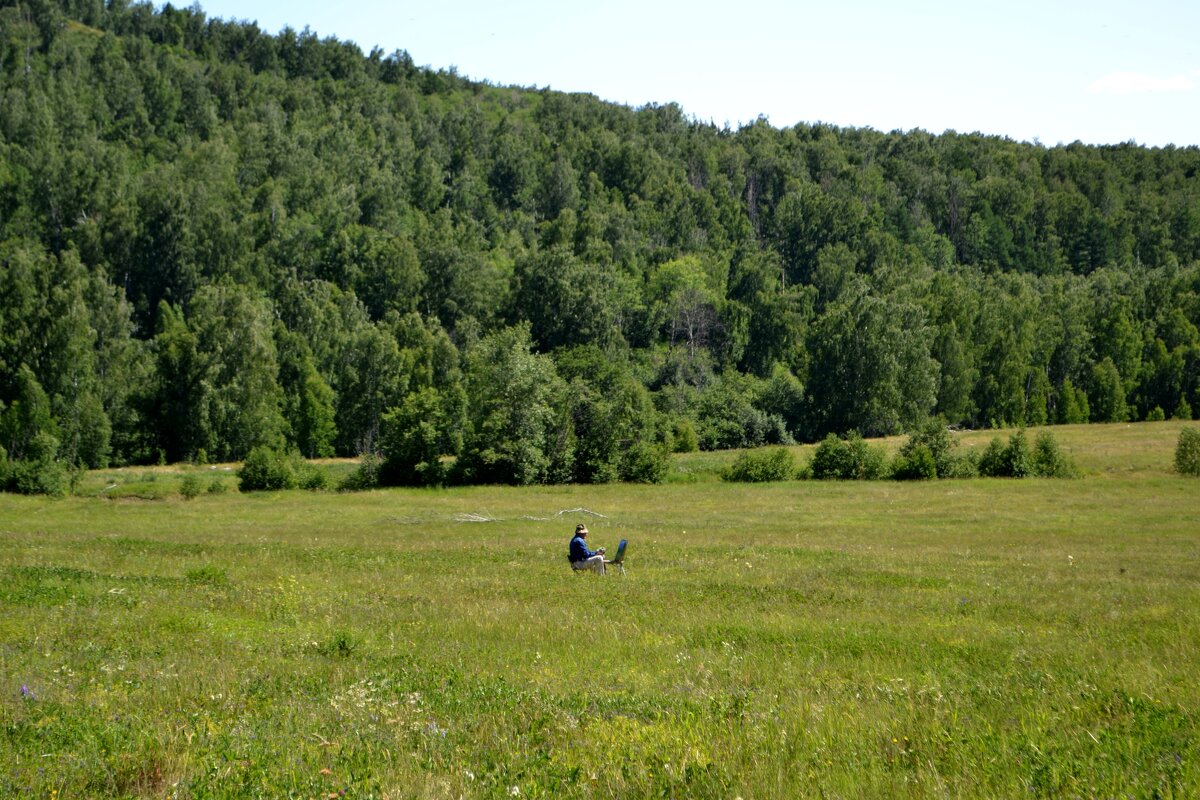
929	453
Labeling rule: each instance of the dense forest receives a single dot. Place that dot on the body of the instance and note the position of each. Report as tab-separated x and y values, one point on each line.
214	239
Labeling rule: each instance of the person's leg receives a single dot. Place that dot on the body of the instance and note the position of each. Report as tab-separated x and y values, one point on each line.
596	563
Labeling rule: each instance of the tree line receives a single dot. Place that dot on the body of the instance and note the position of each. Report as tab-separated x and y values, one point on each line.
214	239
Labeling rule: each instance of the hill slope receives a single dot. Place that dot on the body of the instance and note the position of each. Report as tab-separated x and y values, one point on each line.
213	238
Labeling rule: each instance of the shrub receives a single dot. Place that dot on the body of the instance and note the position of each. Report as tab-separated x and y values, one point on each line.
1187	452
1156	414
830	461
314	478
965	465
915	464
267	470
684	438
41	472
1048	461
992	462
761	466
1183	410
190	487
936	440
40	477
866	463
645	462
1013	460
365	476
847	459
217	486
1019	460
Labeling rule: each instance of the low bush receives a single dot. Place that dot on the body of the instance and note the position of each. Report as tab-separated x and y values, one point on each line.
1017	460
191	486
761	466
365	476
847	459
645	462
1187	452
41	472
684	438
991	461
1048	459
266	469
1013	460
915	464
963	465
49	477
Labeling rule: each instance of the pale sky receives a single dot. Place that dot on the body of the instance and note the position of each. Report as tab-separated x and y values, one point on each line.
1100	71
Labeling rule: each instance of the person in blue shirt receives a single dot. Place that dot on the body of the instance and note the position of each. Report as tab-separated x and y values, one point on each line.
582	556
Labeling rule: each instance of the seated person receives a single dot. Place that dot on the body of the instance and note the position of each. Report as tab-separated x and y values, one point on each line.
583	557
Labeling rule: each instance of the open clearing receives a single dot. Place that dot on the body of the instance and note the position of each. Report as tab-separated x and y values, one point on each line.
956	638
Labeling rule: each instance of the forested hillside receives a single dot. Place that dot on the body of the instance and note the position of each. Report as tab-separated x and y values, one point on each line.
213	238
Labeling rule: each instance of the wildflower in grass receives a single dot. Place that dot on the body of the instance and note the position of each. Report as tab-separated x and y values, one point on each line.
27	693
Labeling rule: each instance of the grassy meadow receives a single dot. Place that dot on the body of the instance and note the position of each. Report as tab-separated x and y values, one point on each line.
975	638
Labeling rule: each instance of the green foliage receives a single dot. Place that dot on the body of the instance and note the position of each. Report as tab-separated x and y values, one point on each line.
615	428
215	239
772	464
1187	452
1073	405
728	415
26	418
645	462
308	401
1048	460
1108	393
1015	460
365	476
915	463
266	469
410	439
847	459
208	575
877	375
993	462
191	486
519	432
683	437
1156	414
935	438
40	476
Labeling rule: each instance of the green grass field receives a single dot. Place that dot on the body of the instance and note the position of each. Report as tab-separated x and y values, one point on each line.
979	638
